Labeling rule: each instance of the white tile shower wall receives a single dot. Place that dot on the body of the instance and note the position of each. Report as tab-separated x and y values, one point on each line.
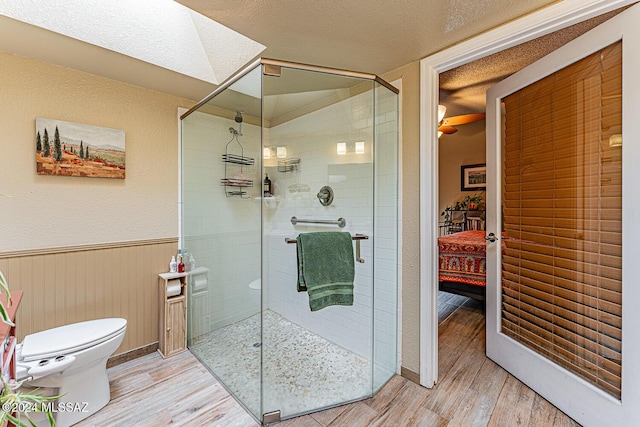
313	139
222	233
386	231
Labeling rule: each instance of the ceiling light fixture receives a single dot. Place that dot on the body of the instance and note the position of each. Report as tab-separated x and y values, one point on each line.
441	111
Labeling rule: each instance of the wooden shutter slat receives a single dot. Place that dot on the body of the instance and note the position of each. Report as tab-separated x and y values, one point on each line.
587	338
562	209
577	318
611	320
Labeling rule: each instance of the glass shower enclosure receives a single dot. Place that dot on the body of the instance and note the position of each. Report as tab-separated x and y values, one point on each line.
283	149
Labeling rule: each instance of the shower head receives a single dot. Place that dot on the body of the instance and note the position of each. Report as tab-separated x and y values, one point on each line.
239	116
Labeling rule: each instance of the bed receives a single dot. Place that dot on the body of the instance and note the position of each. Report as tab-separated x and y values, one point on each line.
462	263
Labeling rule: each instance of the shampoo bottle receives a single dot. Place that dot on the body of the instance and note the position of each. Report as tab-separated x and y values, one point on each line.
267	186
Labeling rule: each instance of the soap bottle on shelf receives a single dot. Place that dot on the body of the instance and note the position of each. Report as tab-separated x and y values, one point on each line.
173	265
180	265
185	260
267	186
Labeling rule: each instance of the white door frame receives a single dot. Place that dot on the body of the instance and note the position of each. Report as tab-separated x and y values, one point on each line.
545	21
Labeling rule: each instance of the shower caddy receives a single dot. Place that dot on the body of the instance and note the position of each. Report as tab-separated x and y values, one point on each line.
235	185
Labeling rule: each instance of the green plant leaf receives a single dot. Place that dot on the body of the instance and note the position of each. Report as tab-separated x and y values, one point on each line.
18	422
5	316
4	287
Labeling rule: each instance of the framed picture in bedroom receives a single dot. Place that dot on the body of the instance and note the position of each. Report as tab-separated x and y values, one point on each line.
75	149
473	177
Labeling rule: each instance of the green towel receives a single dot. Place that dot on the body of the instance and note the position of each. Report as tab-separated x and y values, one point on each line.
326	268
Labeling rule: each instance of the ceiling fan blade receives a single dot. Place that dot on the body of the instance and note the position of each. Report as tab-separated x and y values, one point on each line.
448	130
463	119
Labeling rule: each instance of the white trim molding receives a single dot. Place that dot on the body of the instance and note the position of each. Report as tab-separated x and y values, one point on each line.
555	17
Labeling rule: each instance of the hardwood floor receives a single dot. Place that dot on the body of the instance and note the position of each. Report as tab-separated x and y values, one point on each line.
473	391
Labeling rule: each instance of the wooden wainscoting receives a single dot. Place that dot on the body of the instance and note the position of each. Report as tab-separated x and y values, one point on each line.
72	284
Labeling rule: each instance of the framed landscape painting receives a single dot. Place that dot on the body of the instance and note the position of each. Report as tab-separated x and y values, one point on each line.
75	149
473	177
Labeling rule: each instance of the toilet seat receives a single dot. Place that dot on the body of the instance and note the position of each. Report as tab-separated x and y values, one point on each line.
70	338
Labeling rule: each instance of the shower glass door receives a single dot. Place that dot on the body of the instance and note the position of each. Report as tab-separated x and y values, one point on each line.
284	141
385	230
221	186
320	137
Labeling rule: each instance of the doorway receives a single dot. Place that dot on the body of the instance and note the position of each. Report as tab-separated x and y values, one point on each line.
551	19
462	92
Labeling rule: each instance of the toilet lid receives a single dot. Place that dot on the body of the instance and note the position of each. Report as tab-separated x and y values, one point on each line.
70	338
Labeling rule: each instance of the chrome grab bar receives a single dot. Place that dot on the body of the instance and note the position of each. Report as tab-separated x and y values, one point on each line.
340	222
357	238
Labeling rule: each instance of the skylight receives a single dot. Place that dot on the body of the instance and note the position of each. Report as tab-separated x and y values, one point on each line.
160	32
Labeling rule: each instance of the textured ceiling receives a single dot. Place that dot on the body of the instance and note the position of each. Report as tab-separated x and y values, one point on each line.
377	36
463	89
371	36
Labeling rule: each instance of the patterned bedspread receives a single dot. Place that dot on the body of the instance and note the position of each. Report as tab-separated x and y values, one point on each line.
462	257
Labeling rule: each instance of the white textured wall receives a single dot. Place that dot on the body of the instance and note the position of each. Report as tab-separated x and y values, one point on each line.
54	211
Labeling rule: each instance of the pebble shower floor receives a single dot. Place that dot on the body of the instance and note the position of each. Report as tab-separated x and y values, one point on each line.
302	371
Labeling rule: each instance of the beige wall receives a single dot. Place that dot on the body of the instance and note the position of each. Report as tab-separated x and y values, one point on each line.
91	282
465	147
410	75
84	248
52	211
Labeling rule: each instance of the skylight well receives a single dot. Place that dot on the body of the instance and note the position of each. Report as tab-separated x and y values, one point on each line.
160	32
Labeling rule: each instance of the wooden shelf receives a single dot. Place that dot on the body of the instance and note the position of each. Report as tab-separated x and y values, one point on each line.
173	315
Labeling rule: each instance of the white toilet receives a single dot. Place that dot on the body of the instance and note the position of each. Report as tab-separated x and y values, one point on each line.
70	360
255	292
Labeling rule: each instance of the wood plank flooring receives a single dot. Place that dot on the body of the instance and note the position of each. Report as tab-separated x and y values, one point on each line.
473	391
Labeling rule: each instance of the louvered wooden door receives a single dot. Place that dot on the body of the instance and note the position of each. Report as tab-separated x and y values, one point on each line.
562	200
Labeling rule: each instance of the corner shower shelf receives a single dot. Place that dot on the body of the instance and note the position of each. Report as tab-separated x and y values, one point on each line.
289	165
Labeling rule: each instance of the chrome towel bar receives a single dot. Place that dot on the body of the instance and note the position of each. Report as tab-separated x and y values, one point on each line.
340	222
357	238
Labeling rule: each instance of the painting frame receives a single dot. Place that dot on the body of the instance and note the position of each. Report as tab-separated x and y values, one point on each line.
473	177
79	150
